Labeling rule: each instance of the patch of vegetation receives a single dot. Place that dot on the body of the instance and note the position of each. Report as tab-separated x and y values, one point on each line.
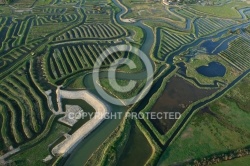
26	107
137	33
237	53
149	10
244	161
63	61
203	59
165	24
105	83
112	147
229	9
216	129
93	31
207	26
35	154
136	144
171	41
76	83
139	64
44	2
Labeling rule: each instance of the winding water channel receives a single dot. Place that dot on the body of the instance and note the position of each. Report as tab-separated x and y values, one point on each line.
90	144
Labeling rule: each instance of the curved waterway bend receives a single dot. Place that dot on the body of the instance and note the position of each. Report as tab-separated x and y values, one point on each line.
242	12
148	33
91	143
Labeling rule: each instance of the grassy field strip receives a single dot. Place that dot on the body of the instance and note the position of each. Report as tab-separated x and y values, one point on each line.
57	61
14	56
170	42
209	25
63	61
237	53
29	106
14	32
31	90
5	127
26	106
17	135
185	13
79	58
92	31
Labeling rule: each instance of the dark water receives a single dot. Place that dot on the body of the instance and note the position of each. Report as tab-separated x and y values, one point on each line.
210	45
218	46
224	45
213	69
137	150
177	96
200	40
182	72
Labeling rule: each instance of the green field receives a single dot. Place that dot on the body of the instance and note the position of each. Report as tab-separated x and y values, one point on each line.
209	25
218	128
142	9
243	161
171	41
237	53
225	11
34	155
27	114
108	83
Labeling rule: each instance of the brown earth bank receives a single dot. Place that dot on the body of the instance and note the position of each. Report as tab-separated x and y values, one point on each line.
177	96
